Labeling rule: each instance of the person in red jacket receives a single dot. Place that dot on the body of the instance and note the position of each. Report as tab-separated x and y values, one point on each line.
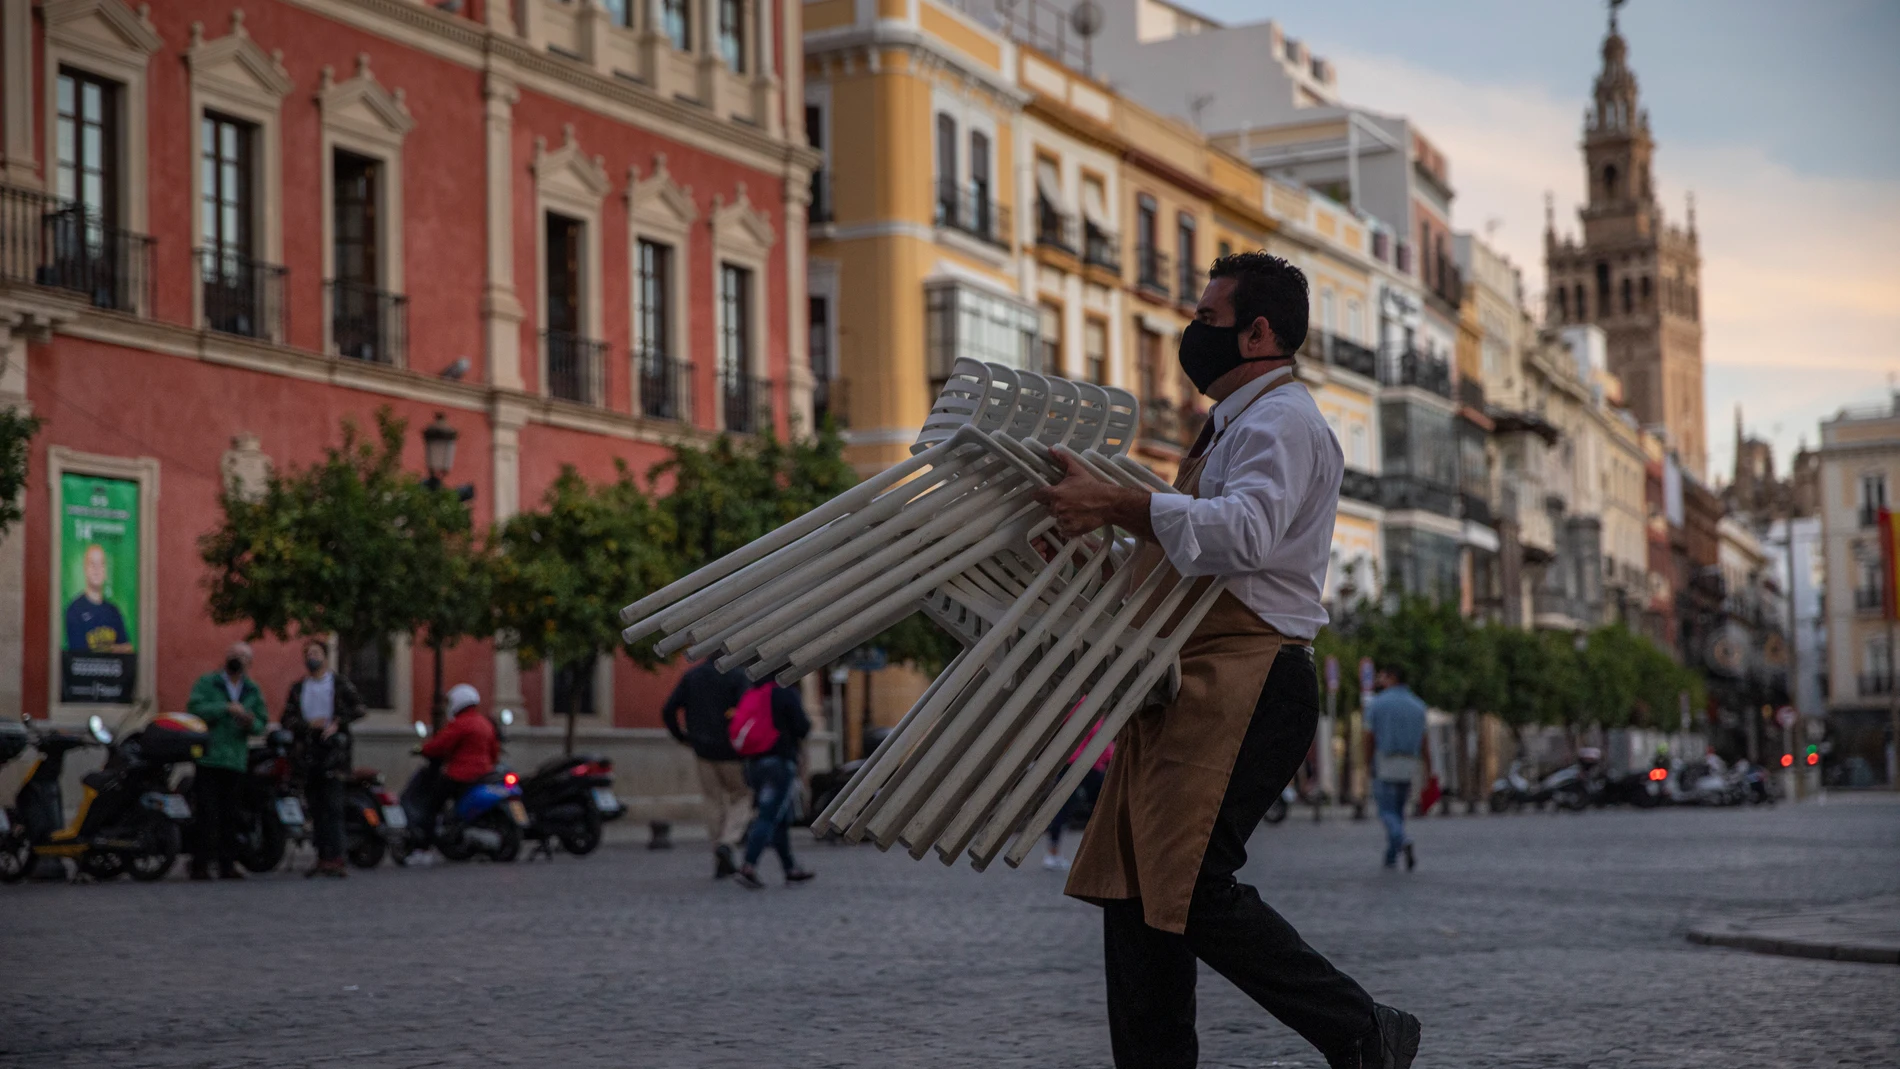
467	747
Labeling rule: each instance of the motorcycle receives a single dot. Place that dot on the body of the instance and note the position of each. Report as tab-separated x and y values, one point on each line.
569	798
1755	785
128	817
1512	791
487	819
270	816
374	822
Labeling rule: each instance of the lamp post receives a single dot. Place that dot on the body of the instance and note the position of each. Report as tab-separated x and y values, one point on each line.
1582	645
438	450
1347	785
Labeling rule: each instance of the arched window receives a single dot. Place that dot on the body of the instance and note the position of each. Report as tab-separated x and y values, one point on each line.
1645	289
1603	286
1629	303
1609	181
1563	305
1583	311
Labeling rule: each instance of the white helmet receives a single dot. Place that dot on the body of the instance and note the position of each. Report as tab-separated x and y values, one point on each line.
461	696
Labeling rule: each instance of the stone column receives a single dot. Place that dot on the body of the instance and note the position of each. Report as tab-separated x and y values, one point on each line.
501	310
17	97
13	542
798	376
506	417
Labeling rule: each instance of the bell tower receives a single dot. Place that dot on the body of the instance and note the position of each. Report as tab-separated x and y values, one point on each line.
1633	273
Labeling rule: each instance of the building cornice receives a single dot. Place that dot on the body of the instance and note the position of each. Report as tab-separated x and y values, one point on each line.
851	44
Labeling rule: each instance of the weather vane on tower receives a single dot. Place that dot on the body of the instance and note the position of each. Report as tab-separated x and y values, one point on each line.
1614	4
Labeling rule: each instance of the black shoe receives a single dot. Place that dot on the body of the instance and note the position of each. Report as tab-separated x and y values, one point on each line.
748	879
722	862
1391	1043
1411	860
799	875
230	874
199	872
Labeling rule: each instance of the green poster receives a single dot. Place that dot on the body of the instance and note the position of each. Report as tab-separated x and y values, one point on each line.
98	588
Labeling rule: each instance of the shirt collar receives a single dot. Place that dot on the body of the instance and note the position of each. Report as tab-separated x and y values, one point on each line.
1235	402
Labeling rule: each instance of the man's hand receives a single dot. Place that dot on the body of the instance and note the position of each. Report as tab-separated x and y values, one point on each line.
1081	502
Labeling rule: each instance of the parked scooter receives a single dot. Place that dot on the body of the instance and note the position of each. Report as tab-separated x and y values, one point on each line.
128	816
487	819
270	814
374	822
1512	791
569	798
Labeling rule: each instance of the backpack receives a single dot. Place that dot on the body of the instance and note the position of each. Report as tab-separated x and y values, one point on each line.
751	728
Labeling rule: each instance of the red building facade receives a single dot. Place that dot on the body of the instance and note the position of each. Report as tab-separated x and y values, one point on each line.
575	228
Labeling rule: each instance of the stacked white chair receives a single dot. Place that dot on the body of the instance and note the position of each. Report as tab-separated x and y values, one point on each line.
1059	636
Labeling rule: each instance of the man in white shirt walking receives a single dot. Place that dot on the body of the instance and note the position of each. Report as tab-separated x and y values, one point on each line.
1191	780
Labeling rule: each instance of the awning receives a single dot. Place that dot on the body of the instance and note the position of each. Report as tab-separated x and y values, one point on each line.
1049	183
1095	208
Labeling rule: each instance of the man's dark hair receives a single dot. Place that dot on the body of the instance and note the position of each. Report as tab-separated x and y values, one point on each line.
1397	672
1266	285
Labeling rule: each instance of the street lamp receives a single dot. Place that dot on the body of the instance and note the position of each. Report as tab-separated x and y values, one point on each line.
438	452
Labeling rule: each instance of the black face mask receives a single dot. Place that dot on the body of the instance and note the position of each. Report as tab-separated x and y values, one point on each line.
1208	352
234	667
313	663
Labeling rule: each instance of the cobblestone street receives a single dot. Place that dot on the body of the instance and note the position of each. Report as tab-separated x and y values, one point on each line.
1539	941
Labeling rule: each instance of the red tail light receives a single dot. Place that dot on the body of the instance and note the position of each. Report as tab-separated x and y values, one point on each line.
510	779
1658	774
582	769
385	798
606	765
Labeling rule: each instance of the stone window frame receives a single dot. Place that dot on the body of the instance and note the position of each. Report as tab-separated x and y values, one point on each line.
60	462
661	211
569	182
743	237
232	75
361	117
103	38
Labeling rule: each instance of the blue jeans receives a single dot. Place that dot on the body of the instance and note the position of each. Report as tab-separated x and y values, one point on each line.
771	781
1390	797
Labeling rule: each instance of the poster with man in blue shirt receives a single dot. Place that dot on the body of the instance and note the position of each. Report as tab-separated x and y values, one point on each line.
1395	747
94	624
99	588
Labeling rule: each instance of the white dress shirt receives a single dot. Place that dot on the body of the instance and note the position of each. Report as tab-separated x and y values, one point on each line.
1269	491
318	699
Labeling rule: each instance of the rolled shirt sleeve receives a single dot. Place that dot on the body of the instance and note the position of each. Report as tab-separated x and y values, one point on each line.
1234	529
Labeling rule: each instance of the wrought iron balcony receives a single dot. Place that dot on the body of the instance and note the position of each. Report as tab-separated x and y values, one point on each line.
663	385
368	324
1151	270
1360	486
1101	248
1868	599
1411	492
1471	394
1476	509
973	211
49	242
1354	357
1055	228
1427	372
576	367
1190	283
243	296
745	401
1869	516
1162	422
1875	684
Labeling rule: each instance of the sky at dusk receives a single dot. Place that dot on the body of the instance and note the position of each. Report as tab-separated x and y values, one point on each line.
1782	118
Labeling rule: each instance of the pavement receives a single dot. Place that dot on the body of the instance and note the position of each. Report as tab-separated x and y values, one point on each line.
1534	941
1858	931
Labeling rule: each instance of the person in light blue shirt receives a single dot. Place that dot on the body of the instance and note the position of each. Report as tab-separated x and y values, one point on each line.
1395	749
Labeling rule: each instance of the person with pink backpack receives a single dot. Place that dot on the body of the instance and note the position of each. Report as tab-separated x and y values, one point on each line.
767	729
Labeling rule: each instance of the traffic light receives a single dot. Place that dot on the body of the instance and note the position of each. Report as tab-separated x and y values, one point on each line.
1787	760
1814	755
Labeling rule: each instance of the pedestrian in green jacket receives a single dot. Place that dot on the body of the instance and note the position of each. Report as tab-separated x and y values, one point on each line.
232	707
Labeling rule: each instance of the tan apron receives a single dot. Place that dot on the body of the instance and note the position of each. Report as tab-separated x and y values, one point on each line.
1165	785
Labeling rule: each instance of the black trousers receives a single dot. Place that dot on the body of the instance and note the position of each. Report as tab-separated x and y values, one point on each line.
214	811
325	794
1151	973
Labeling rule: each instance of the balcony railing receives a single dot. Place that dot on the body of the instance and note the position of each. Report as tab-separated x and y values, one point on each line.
1427	372
1151	270
746	402
663	387
1162	421
1055	228
1869	516
1360	486
49	242
831	399
1100	248
973	211
1471	394
369	324
819	211
242	296
1410	492
1190	283
1476	508
576	367
1868	599
1875	684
